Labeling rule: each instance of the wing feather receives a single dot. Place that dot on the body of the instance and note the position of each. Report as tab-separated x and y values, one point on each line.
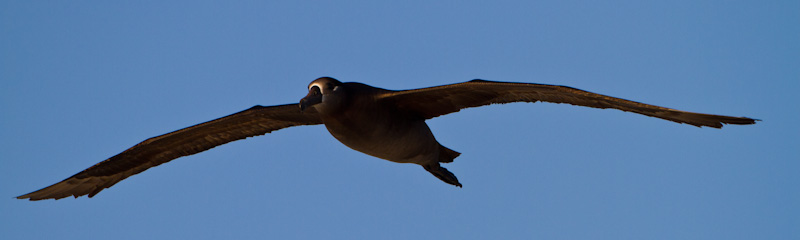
154	151
436	101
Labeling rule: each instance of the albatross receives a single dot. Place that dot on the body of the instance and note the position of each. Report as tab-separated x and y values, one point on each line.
382	123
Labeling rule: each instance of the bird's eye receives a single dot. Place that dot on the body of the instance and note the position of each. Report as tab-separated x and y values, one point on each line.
317	86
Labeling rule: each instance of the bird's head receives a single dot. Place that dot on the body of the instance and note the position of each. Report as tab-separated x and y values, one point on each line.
324	94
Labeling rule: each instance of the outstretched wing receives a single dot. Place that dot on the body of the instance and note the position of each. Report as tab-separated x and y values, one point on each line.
436	101
152	152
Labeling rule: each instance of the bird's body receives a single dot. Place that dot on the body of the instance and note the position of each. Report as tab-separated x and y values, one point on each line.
382	123
377	128
381	136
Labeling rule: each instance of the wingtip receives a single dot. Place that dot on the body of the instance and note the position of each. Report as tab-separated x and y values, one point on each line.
30	196
742	121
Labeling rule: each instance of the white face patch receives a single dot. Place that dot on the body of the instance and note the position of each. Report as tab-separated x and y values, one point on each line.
319	85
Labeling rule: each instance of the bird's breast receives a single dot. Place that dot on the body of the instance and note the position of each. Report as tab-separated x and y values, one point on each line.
392	139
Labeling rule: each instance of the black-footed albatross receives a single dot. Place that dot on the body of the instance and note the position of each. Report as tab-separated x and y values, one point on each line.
382	123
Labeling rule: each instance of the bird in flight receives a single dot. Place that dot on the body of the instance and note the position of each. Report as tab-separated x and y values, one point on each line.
383	123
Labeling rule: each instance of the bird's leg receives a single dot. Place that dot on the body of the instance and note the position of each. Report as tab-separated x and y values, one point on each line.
442	173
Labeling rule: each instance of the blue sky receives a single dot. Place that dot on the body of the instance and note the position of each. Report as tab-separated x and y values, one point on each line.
83	81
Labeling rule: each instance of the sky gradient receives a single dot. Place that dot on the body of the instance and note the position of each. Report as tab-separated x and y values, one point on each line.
83	81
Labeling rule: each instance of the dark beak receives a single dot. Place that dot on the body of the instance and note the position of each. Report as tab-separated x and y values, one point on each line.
313	98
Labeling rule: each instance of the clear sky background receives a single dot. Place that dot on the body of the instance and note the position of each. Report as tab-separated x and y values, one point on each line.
83	81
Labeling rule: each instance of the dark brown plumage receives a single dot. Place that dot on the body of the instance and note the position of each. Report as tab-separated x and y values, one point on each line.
436	101
382	123
154	151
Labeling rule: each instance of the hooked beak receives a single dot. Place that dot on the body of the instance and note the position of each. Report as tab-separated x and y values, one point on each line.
313	98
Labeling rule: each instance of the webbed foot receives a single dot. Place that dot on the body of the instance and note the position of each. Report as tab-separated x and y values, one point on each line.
442	173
